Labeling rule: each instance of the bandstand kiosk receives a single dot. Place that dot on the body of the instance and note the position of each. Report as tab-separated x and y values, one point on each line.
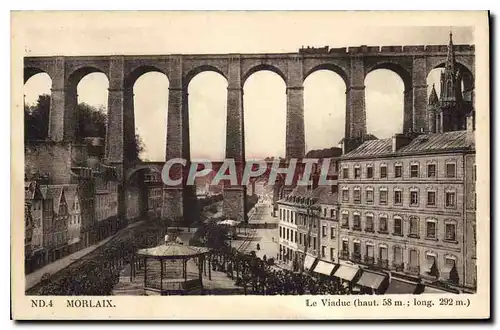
173	268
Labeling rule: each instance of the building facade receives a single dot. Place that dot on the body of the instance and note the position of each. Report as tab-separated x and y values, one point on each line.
403	206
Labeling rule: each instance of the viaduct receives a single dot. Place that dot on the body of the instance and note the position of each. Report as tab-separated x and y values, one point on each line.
411	63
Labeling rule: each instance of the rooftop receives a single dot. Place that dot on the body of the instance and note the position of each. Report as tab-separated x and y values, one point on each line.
435	142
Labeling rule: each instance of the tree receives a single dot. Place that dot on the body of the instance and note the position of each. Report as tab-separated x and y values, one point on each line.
92	122
454	278
434	270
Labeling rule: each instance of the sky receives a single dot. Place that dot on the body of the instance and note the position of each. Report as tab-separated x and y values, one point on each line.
264	92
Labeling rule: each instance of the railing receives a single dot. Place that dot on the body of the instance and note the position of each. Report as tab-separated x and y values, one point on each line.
398	266
413	269
383	263
356	257
356	227
369	260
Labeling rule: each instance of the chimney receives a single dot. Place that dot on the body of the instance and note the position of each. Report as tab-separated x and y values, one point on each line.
400	140
350	144
471	127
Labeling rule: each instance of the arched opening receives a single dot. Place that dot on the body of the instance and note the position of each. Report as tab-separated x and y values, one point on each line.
264	104
37	106
89	92
150	93
324	109
467	82
388	102
207	116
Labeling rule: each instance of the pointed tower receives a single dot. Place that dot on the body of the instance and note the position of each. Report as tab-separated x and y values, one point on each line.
451	110
432	108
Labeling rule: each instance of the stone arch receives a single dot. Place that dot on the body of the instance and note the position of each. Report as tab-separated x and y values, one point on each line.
263	67
78	74
32	71
134	170
398	69
465	70
199	69
137	72
330	67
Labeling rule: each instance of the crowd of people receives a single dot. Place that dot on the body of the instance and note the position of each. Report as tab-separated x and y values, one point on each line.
99	271
258	276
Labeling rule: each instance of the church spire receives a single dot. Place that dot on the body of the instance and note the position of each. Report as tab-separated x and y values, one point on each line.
450	58
451	81
433	98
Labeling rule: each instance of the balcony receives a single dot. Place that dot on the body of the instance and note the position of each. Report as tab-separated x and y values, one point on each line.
344	254
398	266
369	260
344	226
356	227
356	257
383	263
413	270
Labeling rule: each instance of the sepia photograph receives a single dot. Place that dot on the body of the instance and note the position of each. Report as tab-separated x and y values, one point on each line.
325	159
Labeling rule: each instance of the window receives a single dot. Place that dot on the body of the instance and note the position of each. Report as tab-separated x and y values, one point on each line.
332	254
413	227
357	196
369	223
398	197
431	198
300	238
450	170
369	195
332	213
345	220
398	255
295	237
345	195
398	226
431	229
382	252
332	232
356	248
413	197
383	197
357	172
345	173
450	198
369	172
414	171
450	232
324	212
323	231
413	258
474	173
383	171
287	234
345	245
314	243
398	171
323	251
431	170
382	226
356	221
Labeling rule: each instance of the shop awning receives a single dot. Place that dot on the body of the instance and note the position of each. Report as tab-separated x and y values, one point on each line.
371	280
430	289
308	262
324	268
345	272
397	286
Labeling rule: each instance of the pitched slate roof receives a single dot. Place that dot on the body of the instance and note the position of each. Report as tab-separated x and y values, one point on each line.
422	143
438	141
372	148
